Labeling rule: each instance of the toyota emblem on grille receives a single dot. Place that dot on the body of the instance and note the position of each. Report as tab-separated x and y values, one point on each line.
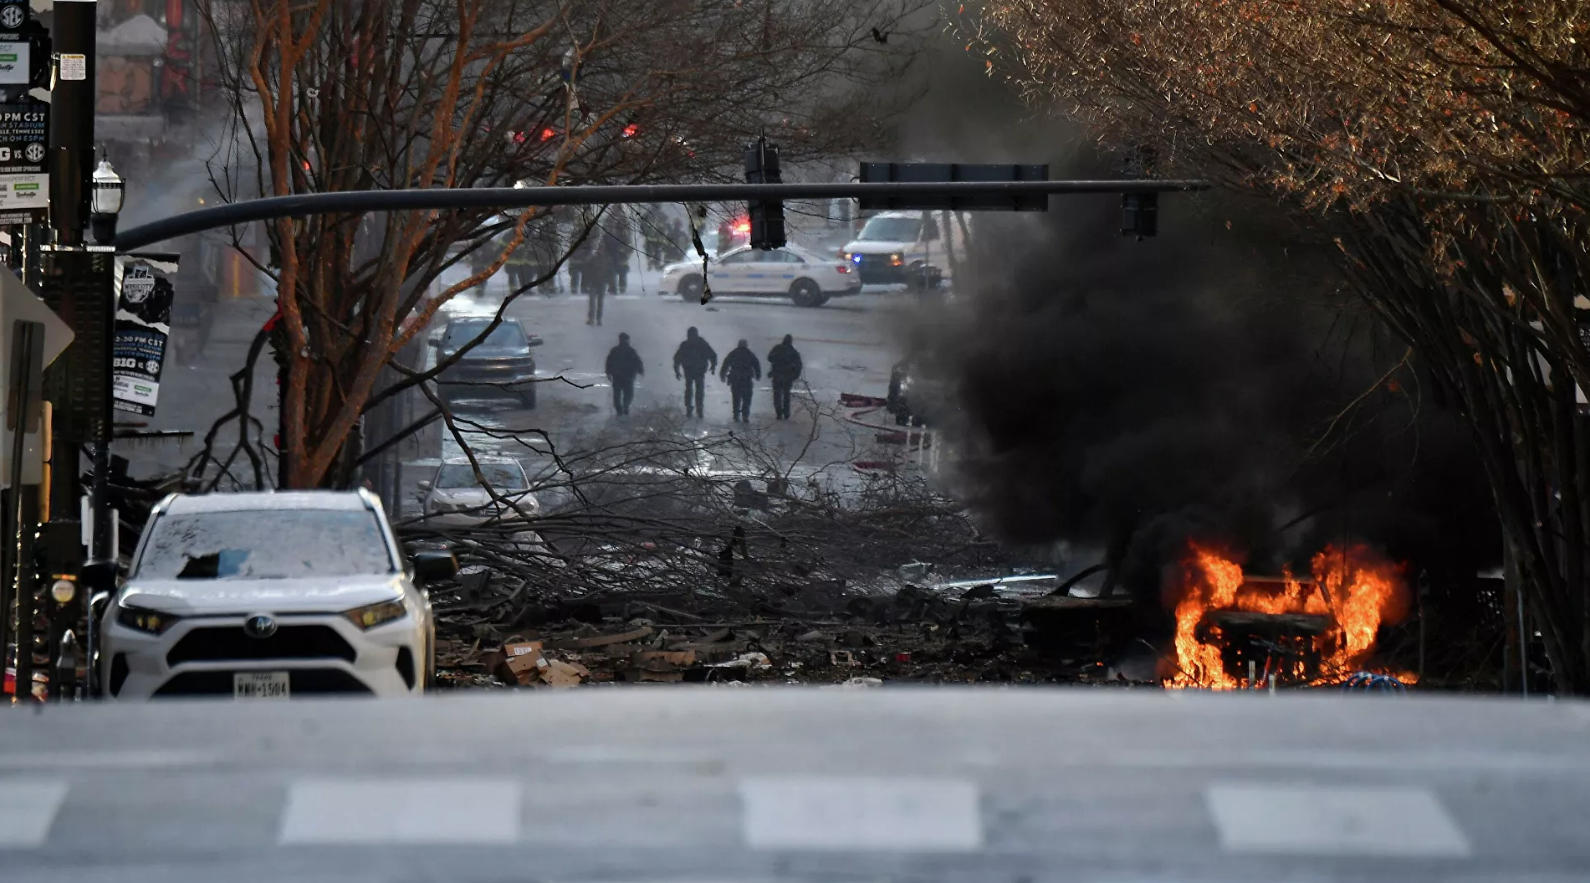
260	625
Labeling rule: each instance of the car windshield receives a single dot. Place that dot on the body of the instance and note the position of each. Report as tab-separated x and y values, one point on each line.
500	476
266	544
882	229
504	335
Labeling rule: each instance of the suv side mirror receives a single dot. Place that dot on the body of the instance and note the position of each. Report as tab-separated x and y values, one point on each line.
425	485
99	576
430	567
534	341
433	342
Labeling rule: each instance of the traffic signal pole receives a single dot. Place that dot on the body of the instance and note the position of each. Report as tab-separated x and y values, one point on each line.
72	97
75	283
439	198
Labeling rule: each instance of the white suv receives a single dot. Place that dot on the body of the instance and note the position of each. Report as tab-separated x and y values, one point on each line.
268	596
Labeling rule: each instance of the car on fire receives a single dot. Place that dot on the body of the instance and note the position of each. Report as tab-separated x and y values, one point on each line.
806	278
269	596
913	400
500	364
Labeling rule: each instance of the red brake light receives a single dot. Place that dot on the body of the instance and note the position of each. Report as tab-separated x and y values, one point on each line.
742	227
631	130
548	134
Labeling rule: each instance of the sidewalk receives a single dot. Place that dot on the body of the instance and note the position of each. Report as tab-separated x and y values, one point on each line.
195	389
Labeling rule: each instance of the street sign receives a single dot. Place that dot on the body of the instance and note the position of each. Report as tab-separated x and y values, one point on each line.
25	199
926	172
16	57
144	295
19	304
24	135
13	13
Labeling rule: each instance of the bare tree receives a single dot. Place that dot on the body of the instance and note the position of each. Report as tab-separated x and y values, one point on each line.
1441	144
334	95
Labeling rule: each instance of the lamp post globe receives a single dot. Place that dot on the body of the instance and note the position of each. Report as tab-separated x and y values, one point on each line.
105	202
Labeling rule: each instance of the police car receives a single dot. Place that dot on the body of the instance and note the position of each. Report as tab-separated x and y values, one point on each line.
802	276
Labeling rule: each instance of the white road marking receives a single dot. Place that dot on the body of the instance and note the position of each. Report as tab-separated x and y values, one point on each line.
855	814
80	759
623	754
1334	821
27	810
453	810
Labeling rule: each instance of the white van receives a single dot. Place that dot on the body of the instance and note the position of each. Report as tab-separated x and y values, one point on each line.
899	247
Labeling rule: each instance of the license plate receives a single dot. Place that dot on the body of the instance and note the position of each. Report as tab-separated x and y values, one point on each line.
260	685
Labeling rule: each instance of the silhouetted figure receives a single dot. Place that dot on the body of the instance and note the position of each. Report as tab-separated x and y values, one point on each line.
674	250
726	555
692	361
741	369
783	368
623	366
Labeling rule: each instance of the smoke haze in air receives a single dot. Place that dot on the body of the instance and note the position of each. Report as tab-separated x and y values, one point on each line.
1130	395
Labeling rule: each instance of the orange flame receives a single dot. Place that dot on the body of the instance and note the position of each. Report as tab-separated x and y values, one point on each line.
1357	588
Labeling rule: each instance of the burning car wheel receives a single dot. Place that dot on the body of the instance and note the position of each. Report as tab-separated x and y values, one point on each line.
690	288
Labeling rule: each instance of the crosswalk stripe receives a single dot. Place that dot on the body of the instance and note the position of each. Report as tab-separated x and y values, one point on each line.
27	810
402	811
858	814
1333	821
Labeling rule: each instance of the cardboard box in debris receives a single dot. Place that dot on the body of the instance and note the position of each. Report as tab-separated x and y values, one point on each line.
624	656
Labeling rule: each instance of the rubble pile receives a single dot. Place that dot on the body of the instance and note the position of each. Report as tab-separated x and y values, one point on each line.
916	633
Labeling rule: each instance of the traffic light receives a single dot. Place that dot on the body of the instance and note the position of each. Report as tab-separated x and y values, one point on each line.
1140	211
1140	215
767	216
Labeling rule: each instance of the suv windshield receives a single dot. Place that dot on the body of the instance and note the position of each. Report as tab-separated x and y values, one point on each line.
266	544
882	229
508	334
500	476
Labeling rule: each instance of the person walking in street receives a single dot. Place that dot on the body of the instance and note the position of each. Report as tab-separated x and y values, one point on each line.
675	242
783	368
623	366
692	361
618	245
592	282
741	369
520	267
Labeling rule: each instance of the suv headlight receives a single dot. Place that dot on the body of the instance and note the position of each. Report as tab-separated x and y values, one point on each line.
149	622
372	615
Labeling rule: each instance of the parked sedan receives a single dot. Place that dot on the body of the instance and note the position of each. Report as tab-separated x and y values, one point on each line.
270	596
501	364
802	276
454	497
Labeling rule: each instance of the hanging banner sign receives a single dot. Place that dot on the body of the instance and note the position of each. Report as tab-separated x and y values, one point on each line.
144	292
24	132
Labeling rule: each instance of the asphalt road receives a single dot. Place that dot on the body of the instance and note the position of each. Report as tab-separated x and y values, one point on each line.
849	345
793	784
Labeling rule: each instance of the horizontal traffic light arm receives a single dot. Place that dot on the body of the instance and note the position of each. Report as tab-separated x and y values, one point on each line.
356	201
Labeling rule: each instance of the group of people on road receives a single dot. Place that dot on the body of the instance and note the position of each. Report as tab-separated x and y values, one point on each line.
695	359
663	243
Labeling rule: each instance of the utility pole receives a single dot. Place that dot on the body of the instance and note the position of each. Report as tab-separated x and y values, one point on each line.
74	281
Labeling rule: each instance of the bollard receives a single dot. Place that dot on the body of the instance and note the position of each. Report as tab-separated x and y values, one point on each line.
66	668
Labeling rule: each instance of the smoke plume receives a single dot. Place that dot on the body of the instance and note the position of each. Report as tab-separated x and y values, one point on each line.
1209	383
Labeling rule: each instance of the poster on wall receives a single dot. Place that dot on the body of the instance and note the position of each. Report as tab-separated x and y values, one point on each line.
144	292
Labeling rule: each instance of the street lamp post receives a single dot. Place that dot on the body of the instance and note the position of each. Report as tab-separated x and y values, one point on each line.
105	199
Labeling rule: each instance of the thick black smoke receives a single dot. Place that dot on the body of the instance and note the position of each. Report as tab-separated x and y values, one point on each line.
1210	383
